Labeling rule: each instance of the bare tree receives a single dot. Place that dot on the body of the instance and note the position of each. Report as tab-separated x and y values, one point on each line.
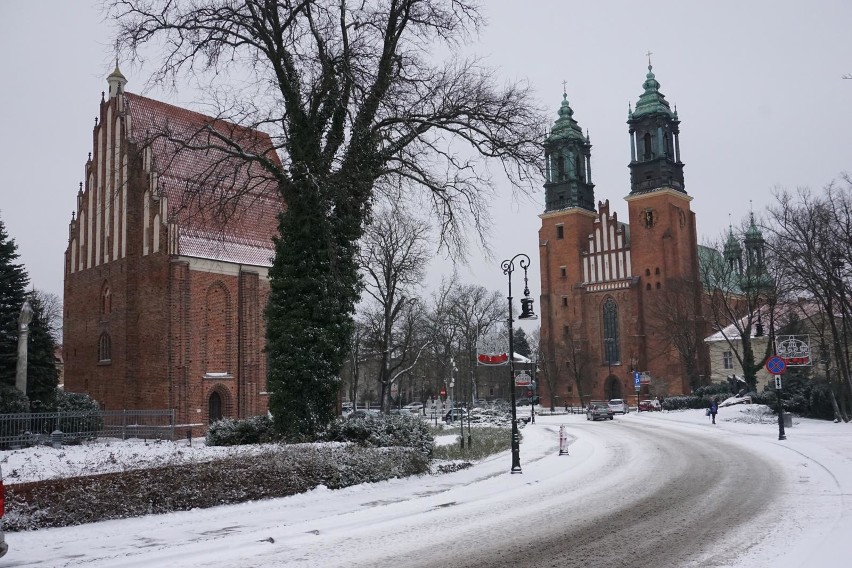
811	235
677	322
473	311
573	348
51	308
355	107
393	257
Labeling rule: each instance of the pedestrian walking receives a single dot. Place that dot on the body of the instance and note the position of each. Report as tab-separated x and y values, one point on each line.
714	408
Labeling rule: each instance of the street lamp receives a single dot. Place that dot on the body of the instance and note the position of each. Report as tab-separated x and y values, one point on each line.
527	313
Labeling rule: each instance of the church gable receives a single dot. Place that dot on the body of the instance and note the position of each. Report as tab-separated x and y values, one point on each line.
607	257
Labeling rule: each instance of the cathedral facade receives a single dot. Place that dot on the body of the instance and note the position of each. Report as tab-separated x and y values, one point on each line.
164	294
619	300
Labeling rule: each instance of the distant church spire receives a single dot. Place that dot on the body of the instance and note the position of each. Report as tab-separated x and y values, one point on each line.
116	81
568	171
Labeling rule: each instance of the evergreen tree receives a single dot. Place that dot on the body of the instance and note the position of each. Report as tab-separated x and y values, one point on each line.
521	344
13	284
42	375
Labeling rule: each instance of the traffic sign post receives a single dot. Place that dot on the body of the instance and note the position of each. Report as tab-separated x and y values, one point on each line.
637	384
776	366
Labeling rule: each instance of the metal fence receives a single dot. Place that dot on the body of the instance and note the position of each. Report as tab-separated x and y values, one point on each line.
34	428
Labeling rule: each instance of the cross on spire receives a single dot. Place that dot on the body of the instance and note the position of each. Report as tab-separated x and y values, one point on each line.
649	54
564	87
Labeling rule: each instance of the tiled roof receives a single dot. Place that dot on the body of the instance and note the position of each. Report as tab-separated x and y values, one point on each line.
225	208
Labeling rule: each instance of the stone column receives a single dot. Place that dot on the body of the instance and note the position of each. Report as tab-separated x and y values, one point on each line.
24	320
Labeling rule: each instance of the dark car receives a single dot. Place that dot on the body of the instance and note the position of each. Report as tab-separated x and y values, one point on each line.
522	402
454	414
599	411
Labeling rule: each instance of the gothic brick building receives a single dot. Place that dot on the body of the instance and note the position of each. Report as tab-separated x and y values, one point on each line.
165	287
608	286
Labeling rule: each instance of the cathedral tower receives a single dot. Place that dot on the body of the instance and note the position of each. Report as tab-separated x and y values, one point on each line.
568	171
664	247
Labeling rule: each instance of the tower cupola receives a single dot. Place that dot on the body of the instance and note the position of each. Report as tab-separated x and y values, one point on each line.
733	253
116	82
654	141
568	167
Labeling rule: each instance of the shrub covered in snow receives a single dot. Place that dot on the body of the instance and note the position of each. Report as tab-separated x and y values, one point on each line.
383	431
276	472
231	432
13	401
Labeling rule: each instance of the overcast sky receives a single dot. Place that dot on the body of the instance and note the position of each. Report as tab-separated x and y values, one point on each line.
757	86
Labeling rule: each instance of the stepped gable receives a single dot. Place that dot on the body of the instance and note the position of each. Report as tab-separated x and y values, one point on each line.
219	207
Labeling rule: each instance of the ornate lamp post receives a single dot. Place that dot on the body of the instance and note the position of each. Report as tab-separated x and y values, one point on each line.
527	313
24	320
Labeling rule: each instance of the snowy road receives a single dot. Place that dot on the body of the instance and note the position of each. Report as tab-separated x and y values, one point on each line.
637	491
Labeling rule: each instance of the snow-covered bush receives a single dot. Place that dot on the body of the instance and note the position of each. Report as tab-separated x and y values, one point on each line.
276	472
13	401
231	432
383	431
684	402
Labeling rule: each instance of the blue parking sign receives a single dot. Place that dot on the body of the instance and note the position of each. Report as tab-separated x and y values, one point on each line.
637	380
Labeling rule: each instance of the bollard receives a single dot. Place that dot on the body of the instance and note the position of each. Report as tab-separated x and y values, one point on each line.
189	436
563	441
56	439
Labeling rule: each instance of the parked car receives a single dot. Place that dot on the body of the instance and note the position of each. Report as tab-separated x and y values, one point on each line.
599	410
618	406
400	412
3	546
649	405
454	414
414	407
522	402
361	413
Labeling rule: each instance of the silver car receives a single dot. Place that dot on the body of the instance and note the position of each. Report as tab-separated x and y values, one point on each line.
618	406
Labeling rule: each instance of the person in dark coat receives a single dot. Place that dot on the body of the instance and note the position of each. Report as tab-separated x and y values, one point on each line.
714	408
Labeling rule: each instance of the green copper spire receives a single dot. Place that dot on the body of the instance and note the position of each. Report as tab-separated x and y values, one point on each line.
652	100
565	127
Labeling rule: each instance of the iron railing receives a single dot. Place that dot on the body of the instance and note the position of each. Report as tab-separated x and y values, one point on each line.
34	428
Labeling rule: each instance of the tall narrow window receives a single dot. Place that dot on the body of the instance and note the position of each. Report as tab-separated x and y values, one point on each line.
647	143
104	348
728	359
560	231
610	332
106	299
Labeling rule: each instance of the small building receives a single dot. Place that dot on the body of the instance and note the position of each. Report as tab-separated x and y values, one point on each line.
166	265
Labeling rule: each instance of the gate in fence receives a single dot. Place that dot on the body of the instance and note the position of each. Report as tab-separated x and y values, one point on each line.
34	428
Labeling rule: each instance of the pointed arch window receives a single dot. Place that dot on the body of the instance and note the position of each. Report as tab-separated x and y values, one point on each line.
610	332
104	348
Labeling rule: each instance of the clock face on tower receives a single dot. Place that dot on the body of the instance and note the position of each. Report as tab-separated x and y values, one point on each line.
649	217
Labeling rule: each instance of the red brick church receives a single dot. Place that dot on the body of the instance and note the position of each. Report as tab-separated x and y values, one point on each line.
605	283
164	293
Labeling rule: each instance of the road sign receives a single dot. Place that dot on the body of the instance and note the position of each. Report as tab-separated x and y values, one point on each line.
775	365
443	393
777	382
637	378
530	393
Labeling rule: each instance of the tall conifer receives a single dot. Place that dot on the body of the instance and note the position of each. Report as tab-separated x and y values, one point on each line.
42	375
13	284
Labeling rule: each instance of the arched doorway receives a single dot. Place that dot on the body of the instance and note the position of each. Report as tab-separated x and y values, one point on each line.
214	407
612	388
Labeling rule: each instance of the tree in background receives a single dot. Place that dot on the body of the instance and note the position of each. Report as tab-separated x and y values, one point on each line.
42	375
13	284
676	321
356	108
520	343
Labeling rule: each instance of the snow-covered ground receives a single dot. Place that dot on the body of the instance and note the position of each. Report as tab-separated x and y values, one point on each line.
383	523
